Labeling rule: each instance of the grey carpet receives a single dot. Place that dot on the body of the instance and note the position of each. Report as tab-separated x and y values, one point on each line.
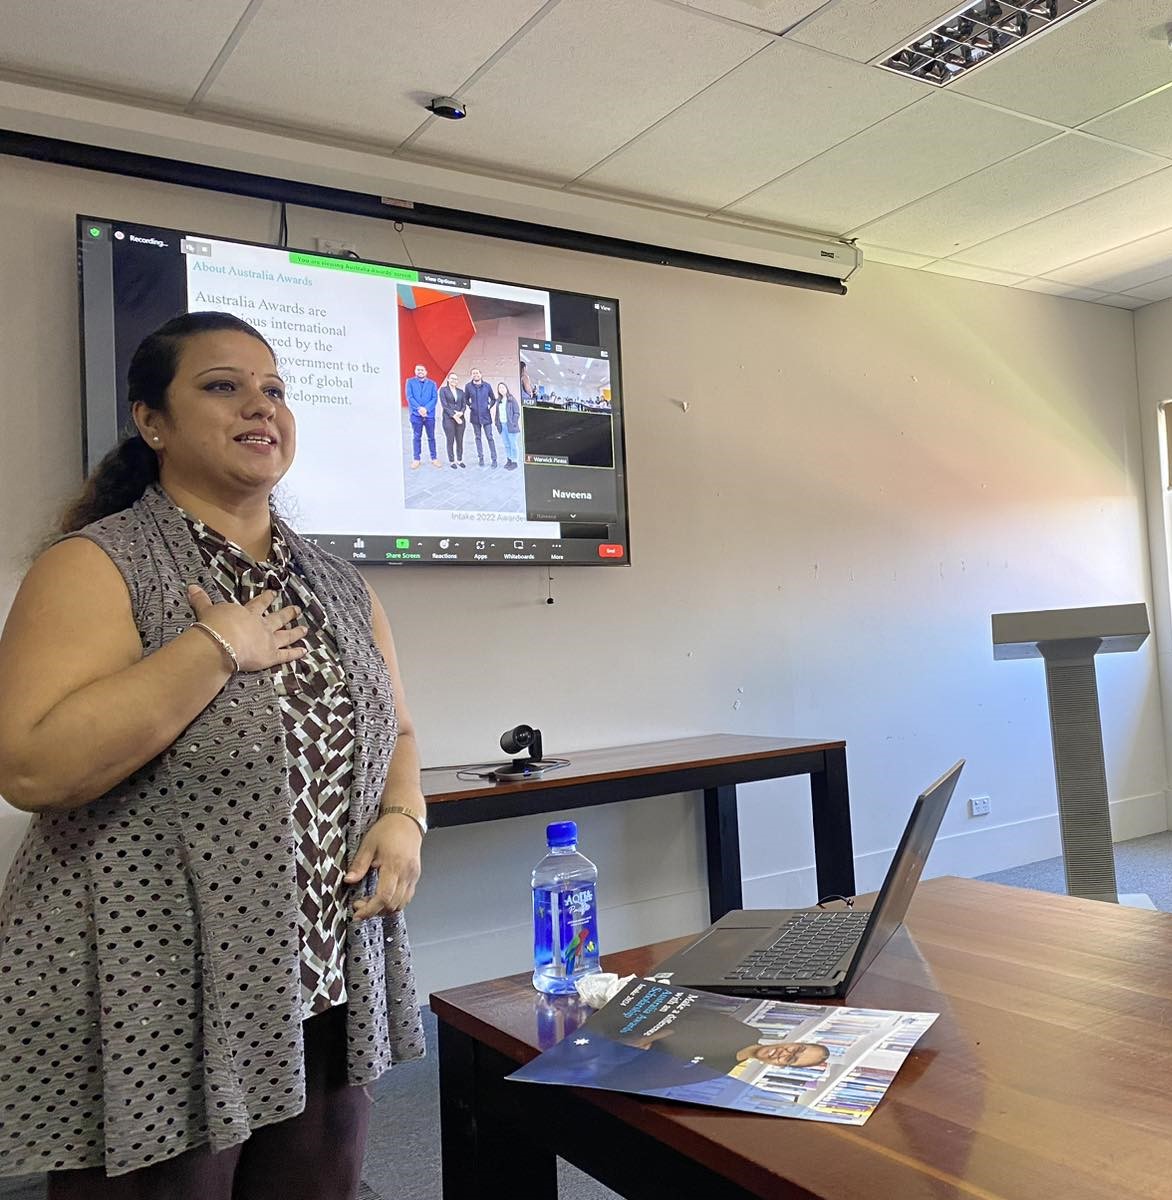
1141	865
402	1155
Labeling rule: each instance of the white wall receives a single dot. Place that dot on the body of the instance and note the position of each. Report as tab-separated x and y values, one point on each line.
856	485
1153	354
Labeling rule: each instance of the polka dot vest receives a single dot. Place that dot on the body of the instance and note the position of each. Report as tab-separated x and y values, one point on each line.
150	999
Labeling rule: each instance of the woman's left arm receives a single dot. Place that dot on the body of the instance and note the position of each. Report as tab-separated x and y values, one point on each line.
392	844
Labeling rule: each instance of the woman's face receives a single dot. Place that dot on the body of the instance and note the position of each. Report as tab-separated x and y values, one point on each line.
501	390
226	426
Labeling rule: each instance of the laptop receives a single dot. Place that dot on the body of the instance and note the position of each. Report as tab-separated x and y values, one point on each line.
812	951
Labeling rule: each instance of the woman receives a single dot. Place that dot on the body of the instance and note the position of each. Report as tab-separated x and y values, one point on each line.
528	389
204	715
453	402
512	424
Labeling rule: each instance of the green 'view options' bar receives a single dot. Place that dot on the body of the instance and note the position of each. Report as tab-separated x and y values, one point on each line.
298	259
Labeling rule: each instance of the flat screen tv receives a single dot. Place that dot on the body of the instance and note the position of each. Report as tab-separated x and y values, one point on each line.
362	347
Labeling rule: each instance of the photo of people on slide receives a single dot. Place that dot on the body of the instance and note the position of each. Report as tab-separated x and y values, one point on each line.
460	389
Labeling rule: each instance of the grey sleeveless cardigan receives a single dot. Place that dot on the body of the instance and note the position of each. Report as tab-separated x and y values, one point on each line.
149	988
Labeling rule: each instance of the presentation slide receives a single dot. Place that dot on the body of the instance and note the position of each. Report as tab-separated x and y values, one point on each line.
440	418
335	325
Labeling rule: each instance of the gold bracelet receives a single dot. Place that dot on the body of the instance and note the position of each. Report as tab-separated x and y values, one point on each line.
221	641
403	811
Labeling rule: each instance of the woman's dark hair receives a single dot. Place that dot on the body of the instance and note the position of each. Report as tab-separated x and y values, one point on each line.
126	472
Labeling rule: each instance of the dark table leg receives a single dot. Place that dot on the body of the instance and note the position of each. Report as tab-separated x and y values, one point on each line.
723	839
833	849
483	1158
499	1139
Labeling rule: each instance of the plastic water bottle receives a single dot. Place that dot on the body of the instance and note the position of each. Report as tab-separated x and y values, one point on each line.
565	913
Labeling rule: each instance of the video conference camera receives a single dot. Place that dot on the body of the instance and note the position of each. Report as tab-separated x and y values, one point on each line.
517	740
522	737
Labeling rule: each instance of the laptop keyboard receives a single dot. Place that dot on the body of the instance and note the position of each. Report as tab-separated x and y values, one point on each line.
809	947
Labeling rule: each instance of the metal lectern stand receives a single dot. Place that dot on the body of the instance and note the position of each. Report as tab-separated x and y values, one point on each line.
1068	640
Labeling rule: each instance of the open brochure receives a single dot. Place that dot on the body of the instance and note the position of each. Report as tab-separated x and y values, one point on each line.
816	1062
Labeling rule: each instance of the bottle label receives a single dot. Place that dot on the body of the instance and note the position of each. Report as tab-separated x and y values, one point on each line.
565	927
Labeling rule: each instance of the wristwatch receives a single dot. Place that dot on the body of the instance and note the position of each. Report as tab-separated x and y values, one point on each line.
419	820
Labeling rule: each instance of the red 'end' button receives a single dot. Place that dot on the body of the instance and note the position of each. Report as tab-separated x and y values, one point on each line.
610	550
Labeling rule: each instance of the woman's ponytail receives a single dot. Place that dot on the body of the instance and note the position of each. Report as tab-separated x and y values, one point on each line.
114	484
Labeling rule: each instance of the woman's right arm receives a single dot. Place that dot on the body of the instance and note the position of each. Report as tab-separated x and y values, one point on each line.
81	708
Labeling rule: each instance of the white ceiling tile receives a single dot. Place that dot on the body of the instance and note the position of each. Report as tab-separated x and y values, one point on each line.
1125	267
295	68
1053	288
1087	64
779	109
773	15
894	258
1039	181
1123	301
934	142
696	107
586	79
127	47
1159	289
1093	227
946	266
863	29
1146	124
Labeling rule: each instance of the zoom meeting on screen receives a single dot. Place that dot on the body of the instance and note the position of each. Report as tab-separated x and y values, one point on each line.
440	419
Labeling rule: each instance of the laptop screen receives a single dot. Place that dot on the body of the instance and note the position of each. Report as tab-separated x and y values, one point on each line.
906	868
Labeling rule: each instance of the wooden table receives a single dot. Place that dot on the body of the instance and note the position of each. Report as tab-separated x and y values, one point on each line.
713	764
1048	1075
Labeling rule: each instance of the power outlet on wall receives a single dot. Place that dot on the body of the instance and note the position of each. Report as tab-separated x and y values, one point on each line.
978	806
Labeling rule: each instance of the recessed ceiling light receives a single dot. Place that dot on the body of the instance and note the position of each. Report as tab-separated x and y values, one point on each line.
973	35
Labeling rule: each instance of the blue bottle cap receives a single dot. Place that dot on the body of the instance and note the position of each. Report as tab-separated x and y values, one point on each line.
562	833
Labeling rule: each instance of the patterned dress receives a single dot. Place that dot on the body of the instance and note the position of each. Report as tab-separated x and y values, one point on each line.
152	979
318	718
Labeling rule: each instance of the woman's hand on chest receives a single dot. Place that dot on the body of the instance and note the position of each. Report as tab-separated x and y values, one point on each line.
259	639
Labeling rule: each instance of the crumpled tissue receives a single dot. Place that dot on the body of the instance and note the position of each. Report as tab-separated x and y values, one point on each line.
597	988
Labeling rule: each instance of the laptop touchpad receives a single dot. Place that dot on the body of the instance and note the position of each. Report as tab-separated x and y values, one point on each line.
729	945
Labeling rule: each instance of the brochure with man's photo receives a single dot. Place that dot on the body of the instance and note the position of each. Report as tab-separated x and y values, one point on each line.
815	1062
